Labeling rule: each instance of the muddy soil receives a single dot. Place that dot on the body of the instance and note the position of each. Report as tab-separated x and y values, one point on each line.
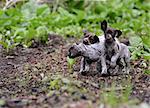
39	77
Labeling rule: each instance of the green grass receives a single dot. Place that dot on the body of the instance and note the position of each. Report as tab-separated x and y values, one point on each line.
60	84
28	21
147	72
117	96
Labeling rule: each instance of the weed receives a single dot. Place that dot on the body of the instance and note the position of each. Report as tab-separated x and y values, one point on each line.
115	96
147	72
71	62
59	84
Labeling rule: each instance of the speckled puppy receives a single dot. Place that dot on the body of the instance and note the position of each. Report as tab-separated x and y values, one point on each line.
91	53
115	50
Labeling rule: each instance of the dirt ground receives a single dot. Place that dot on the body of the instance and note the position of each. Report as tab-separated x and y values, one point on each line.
40	78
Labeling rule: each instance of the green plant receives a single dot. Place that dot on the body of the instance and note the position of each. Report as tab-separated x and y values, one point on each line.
116	96
59	84
139	48
147	72
20	26
71	62
29	20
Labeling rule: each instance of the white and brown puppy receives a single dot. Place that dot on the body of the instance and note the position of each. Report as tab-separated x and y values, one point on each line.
89	38
115	50
90	53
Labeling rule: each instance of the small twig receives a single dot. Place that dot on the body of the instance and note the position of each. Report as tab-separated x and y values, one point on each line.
115	89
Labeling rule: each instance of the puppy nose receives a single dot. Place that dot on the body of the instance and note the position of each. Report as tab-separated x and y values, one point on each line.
109	36
85	41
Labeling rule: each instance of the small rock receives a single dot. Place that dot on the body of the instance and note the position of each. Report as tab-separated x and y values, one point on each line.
10	57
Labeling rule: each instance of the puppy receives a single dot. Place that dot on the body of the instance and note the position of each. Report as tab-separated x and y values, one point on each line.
90	53
89	38
115	50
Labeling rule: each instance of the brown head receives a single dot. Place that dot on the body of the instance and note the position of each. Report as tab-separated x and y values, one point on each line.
89	38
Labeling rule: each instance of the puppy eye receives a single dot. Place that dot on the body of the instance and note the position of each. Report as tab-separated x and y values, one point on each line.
84	34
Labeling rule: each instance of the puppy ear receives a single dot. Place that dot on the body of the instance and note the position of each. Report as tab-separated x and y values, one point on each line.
118	33
96	39
77	43
104	25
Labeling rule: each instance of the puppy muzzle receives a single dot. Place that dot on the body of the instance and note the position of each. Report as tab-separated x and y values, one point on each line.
70	55
109	37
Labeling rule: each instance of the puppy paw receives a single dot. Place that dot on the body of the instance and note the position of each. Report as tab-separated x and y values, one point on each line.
80	71
87	68
104	71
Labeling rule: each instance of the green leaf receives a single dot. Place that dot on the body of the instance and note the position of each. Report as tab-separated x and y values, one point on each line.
146	40
70	61
42	30
29	9
146	56
29	35
147	72
19	31
62	11
12	12
42	33
1	13
4	44
43	10
135	40
80	15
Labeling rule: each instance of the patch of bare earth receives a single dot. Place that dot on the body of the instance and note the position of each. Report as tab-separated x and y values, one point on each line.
26	76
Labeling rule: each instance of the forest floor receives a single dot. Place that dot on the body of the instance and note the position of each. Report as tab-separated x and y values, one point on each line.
39	78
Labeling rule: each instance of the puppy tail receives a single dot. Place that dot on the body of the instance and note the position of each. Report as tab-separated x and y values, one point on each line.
125	41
